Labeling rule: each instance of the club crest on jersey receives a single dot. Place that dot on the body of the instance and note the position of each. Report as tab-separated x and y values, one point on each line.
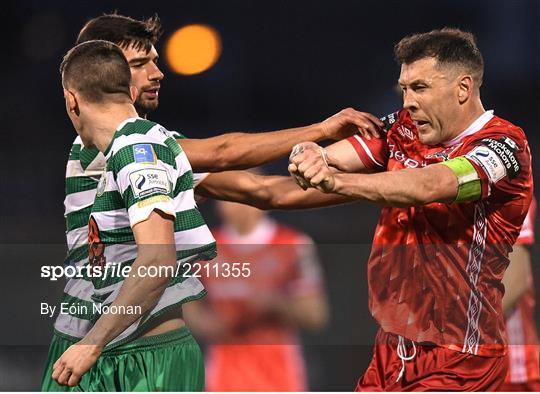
144	154
102	184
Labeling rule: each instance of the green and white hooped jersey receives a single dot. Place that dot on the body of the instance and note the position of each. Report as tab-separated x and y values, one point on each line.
119	206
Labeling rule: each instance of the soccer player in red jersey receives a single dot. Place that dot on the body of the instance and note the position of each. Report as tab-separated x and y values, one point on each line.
264	286
518	306
456	184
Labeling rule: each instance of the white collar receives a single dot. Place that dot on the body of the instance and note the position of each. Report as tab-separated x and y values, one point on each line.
473	128
262	234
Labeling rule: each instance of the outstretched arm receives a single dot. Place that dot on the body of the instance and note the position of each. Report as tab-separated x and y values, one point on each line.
408	187
264	192
279	192
235	151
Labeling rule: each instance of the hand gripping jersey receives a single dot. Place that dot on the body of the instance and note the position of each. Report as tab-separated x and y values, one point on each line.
114	215
435	271
524	366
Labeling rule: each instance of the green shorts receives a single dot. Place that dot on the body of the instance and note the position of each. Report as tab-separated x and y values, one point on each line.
167	362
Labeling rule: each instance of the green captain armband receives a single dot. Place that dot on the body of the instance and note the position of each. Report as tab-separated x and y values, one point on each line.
469	186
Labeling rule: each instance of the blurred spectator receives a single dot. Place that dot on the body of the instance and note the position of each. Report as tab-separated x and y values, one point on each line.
251	322
518	306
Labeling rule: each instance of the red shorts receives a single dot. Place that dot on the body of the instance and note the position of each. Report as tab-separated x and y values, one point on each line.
433	368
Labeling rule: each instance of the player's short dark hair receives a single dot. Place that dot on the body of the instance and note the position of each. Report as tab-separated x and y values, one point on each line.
449	46
98	70
123	31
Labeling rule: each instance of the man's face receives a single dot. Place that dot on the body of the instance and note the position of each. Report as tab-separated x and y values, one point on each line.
430	94
146	77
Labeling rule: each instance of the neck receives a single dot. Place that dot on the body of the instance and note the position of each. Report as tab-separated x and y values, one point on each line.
101	126
469	114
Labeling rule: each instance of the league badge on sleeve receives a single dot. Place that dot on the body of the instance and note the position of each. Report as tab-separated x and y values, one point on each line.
144	154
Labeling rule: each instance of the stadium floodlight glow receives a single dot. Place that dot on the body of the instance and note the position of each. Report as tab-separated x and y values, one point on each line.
193	49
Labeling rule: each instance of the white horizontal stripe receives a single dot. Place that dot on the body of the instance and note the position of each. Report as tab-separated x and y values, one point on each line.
73	168
193	238
80	200
72	326
111	220
77	237
127	140
111	185
137	215
184	200
171	295
80	288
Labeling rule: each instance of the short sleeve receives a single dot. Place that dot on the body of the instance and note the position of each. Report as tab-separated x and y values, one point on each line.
502	163
373	153
146	176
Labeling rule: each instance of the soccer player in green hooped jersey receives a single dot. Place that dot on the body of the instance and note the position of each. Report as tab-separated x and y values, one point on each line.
145	196
228	151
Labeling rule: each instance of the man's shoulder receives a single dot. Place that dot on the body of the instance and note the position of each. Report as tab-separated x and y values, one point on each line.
498	128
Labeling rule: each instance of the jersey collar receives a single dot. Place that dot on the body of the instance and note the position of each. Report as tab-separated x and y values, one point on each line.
118	132
475	126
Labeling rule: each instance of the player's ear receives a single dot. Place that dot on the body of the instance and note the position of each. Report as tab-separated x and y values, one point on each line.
465	87
133	91
72	104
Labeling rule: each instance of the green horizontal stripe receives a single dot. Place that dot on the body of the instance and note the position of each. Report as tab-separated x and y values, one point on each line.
188	219
183	183
108	201
81	309
86	156
77	254
140	126
78	184
78	219
174	146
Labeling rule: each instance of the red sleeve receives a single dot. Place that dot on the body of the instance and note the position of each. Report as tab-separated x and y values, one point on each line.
503	161
373	153
526	235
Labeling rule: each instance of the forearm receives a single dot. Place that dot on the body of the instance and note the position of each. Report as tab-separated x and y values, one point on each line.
265	192
404	188
236	151
139	293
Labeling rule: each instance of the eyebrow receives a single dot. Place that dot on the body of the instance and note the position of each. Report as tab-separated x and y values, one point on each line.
142	59
415	82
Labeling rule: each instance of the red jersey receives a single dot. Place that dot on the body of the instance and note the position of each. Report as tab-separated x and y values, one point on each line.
262	352
435	271
520	324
